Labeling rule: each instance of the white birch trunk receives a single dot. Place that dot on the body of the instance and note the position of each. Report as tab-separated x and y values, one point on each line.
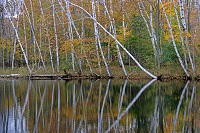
149	31
182	14
114	32
50	52
173	41
20	44
31	34
97	38
48	39
123	20
68	14
72	25
70	17
72	46
56	36
156	38
151	25
14	47
34	37
25	39
139	65
181	36
186	39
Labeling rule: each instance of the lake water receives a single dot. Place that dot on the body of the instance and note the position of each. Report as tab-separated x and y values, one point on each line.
99	106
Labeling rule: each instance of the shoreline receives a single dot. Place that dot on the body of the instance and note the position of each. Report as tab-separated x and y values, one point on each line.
161	78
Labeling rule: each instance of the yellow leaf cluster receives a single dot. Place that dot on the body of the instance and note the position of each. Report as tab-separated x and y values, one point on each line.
120	33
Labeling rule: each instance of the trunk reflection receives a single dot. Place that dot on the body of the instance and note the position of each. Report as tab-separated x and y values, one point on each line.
99	106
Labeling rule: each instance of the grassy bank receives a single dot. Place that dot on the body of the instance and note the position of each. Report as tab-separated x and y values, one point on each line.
166	72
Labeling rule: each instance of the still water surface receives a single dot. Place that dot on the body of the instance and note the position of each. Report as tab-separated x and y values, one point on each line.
99	106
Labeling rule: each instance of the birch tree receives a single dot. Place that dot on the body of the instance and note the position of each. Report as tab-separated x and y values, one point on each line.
123	19
113	30
182	14
20	44
139	65
48	39
181	36
151	34
33	33
151	30
97	38
56	36
186	29
2	25
14	47
173	41
71	26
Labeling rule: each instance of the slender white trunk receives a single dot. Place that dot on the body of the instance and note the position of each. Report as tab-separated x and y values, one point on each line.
196	4
151	30
25	34
48	39
82	37
182	14
34	37
14	47
139	65
32	16
72	46
114	32
179	105
71	37
31	33
70	18
70	29
129	106
173	41
71	22
20	44
56	36
185	27
97	38
156	36
188	39
123	19
181	36
50	52
151	34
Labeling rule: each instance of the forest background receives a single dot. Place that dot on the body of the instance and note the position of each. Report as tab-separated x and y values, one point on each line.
106	37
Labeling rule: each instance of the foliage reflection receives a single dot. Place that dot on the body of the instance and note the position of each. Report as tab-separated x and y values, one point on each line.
99	106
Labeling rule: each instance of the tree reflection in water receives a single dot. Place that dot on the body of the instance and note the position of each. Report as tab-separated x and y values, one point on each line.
99	106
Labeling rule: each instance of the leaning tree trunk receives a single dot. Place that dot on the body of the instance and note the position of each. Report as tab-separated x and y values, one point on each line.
151	34
71	27
71	37
139	65
114	32
154	36
181	36
20	44
48	38
34	37
97	38
173	41
185	27
82	37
